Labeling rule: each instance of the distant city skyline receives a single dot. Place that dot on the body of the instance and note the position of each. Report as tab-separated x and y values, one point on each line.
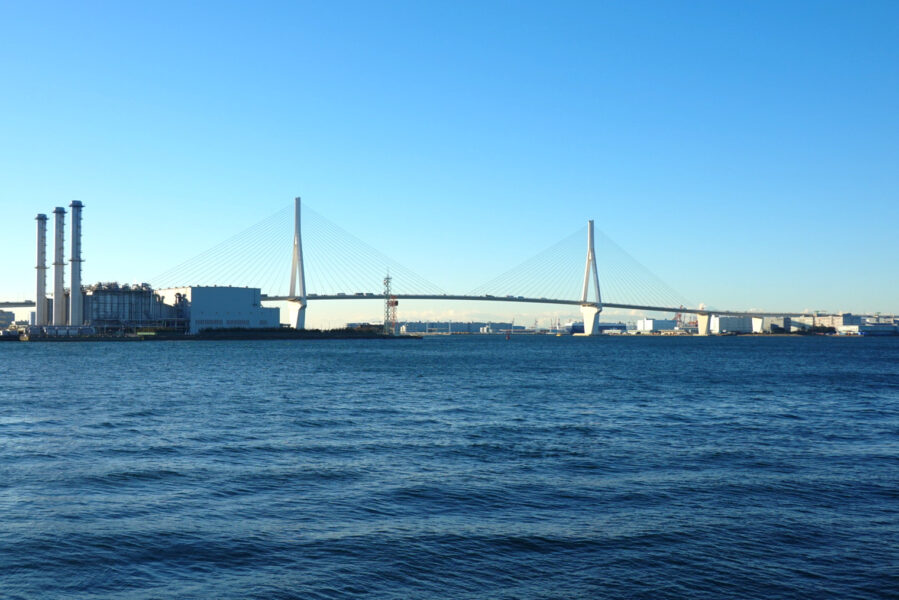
744	153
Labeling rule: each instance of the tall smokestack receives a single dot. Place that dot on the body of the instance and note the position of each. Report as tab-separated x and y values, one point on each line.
40	297
59	294
76	310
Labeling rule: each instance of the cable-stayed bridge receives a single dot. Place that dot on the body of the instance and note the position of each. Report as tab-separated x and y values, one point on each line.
328	263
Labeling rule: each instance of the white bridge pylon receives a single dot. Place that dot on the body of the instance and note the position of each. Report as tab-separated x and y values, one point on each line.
297	275
591	310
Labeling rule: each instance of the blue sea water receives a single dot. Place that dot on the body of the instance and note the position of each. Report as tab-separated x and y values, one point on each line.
451	467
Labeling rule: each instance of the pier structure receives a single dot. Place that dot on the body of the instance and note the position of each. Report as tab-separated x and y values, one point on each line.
703	320
590	311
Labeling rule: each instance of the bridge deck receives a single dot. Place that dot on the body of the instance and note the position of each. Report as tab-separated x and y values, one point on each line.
671	309
557	301
22	304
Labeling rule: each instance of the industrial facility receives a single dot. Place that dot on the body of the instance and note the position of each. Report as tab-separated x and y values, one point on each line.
220	307
655	325
123	308
110	306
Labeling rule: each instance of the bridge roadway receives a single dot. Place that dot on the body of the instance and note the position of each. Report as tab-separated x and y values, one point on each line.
371	296
21	304
671	309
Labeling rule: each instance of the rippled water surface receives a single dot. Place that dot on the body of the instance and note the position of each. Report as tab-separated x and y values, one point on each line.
463	467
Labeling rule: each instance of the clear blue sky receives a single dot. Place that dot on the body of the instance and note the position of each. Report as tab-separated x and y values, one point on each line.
745	152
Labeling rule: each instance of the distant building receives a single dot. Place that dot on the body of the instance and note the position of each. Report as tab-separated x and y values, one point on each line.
878	318
770	324
574	327
836	321
114	306
798	324
494	327
652	325
869	327
6	318
213	307
457	327
730	324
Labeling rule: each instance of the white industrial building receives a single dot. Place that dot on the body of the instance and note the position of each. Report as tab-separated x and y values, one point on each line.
770	324
730	324
213	307
650	325
876	325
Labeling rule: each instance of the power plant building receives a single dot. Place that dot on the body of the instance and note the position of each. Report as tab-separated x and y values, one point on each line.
114	306
110	306
213	307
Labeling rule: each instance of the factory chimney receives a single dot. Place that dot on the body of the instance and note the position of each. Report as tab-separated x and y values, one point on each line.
76	300
40	300
59	294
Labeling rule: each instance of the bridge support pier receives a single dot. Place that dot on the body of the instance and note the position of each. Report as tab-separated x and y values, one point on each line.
590	313
297	313
702	320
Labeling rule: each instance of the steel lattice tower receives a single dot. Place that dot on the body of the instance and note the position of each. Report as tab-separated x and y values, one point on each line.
390	303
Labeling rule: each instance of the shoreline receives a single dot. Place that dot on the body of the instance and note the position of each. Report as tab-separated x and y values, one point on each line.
226	335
